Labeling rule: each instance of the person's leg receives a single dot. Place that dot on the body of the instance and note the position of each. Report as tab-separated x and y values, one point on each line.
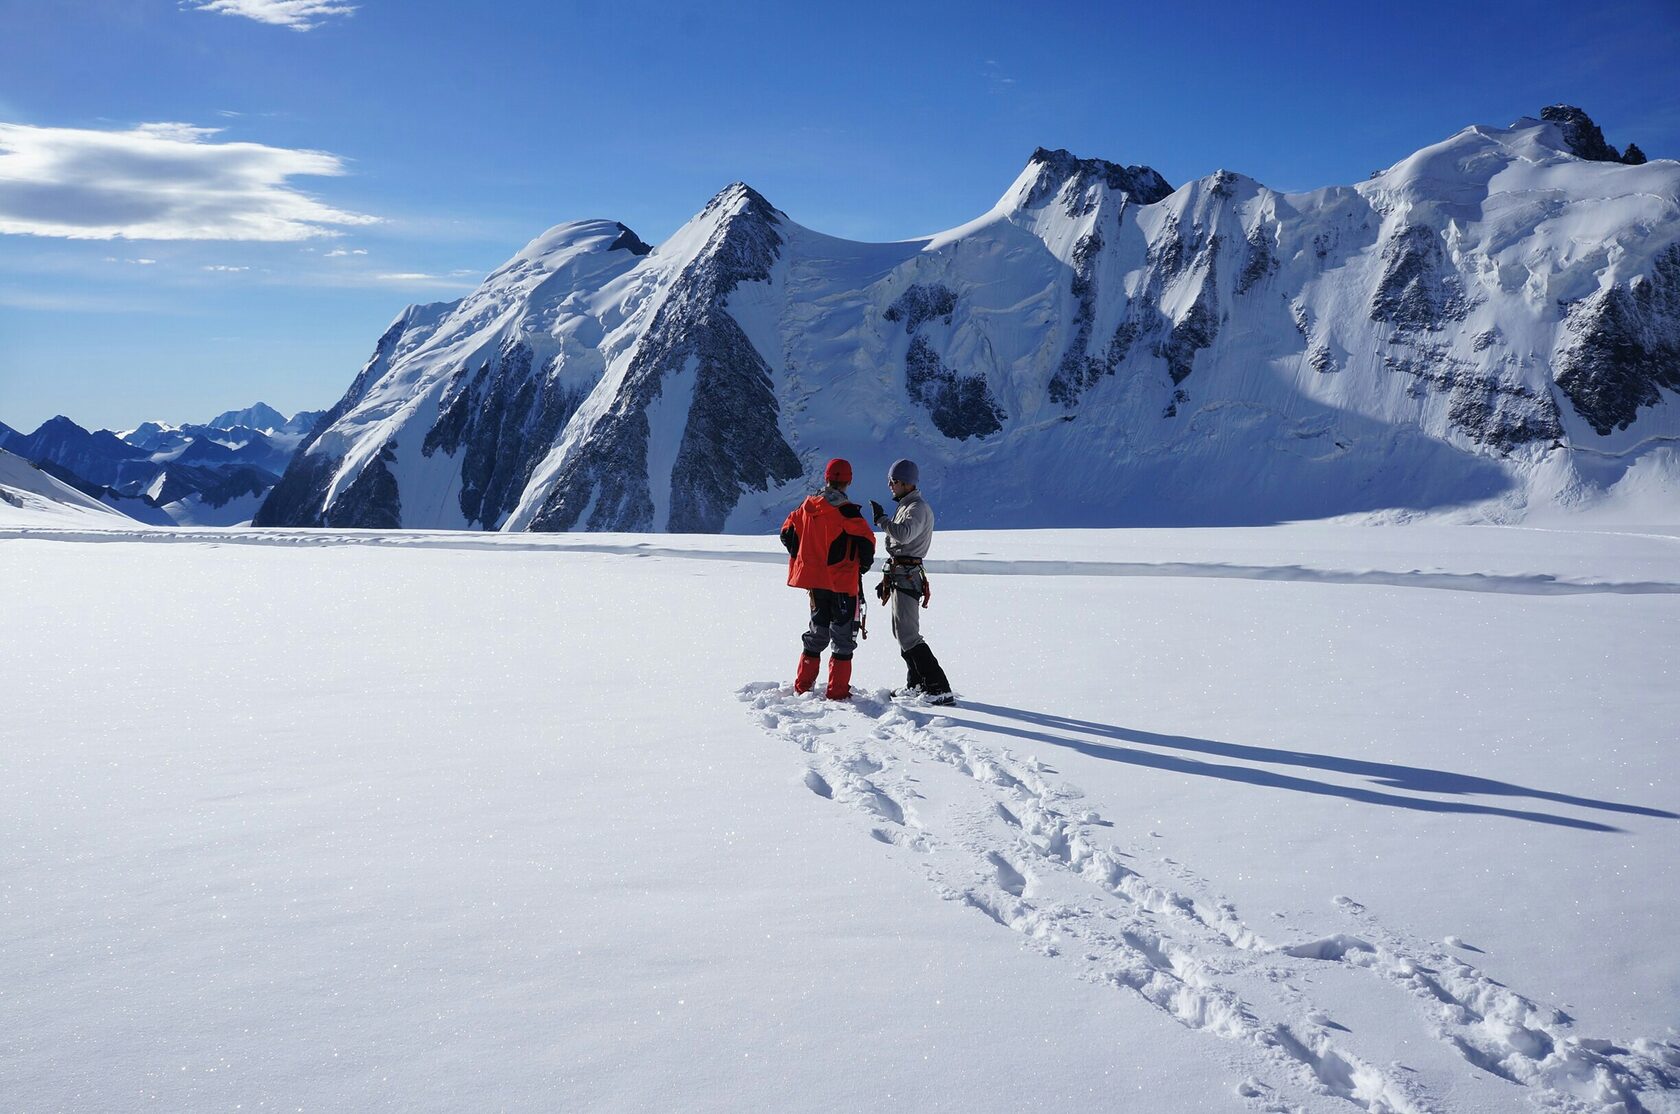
907	628
843	632
935	686
815	641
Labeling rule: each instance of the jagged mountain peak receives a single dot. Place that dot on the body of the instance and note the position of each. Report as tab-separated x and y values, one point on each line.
737	198
1096	324
1582	137
1051	173
60	423
259	415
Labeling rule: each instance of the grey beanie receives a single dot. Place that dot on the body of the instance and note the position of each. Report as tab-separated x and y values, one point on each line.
904	472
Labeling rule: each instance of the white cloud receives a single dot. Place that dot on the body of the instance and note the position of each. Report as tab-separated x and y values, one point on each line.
159	182
337	252
223	267
299	15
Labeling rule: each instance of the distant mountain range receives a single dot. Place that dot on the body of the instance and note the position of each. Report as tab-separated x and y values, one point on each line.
214	474
1490	325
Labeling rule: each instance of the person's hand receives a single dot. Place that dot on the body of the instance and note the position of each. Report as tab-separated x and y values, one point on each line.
880	511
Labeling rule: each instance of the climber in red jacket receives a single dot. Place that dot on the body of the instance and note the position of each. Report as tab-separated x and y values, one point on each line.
830	547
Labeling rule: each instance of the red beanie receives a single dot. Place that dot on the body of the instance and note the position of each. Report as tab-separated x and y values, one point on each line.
838	472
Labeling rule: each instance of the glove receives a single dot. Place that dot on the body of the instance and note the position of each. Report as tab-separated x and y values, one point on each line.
883	590
880	511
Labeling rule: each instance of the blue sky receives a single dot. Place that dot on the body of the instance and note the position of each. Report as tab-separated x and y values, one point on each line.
203	204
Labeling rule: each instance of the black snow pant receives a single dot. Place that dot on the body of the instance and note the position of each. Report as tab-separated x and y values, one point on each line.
833	619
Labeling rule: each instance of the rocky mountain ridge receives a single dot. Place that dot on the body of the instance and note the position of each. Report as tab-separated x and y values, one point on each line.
211	474
1492	323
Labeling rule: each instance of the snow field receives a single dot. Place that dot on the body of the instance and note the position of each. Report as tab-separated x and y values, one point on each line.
433	822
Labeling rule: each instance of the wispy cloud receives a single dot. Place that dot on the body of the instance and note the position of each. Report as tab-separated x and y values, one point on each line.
226	268
338	252
299	15
159	182
996	80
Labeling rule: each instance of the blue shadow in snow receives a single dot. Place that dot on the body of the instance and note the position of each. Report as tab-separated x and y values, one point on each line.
1410	778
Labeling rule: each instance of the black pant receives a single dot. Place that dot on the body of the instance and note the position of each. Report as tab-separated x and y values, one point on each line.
833	619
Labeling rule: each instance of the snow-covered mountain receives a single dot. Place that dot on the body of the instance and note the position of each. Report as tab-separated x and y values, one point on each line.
214	474
32	496
1489	325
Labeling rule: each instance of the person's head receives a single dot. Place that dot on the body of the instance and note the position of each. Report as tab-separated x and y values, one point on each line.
902	476
838	473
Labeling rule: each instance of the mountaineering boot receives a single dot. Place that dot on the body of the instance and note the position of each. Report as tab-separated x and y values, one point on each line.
913	676
839	678
935	688
806	678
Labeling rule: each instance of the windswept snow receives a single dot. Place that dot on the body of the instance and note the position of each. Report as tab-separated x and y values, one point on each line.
1303	818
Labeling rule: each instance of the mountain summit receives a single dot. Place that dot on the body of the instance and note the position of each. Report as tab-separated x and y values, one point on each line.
1492	323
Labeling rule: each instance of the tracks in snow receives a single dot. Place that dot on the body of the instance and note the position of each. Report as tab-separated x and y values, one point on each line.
995	834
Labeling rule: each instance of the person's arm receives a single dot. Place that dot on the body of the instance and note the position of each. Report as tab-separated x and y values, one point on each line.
909	524
790	535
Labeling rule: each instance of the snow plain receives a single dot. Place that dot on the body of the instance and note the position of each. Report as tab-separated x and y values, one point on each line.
1310	817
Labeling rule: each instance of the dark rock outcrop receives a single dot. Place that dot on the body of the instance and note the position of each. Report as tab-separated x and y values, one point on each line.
1061	169
1419	288
1622	345
961	406
922	302
732	441
298	499
372	501
1580	133
507	420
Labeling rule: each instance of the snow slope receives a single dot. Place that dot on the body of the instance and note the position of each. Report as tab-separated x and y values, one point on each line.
30	497
1306	817
1487	329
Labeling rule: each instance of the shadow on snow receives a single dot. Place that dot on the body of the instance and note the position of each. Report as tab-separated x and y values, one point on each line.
1063	731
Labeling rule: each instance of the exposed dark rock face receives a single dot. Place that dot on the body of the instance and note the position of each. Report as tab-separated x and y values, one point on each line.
1623	344
1262	261
297	499
1079	369
1198	327
372	501
1584	139
733	440
1141	183
1192	334
922	302
630	242
1633	156
507	418
960	406
1490	411
1419	287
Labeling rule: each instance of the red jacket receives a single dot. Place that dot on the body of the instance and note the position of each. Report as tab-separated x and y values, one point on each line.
828	542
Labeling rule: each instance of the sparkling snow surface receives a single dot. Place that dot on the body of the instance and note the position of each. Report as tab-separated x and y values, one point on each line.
1308	817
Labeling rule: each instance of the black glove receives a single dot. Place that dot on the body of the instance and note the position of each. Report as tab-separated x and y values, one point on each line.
880	511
